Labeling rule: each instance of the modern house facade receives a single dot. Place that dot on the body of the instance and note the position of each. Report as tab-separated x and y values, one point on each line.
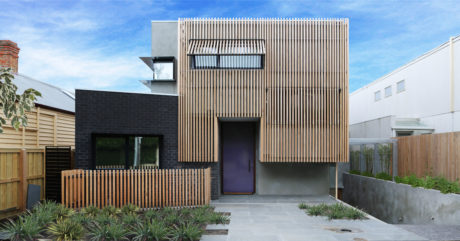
420	97
263	102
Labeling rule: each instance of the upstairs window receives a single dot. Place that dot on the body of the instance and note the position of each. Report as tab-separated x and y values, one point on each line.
400	86
226	54
388	91
163	68
377	96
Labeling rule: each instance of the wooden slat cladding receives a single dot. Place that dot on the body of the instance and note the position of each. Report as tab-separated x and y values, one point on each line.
300	96
435	155
145	188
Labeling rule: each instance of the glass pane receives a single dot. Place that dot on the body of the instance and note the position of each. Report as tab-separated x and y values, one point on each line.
388	91
400	86
241	61
163	71
377	95
110	152
205	61
143	152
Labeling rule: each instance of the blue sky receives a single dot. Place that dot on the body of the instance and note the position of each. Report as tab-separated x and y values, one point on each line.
96	44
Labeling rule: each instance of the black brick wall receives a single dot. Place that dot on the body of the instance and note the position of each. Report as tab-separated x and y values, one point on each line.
104	112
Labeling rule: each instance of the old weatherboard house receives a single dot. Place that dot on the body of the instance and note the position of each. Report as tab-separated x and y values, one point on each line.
263	102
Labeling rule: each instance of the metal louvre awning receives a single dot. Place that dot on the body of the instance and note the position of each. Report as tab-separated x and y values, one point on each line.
226	47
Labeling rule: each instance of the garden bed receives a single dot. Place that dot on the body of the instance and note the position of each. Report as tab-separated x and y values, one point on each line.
400	203
333	211
56	222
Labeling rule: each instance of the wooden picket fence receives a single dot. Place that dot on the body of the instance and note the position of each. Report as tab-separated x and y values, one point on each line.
18	168
435	154
151	188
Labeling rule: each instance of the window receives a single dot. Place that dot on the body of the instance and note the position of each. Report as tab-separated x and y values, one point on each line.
404	133
163	68
400	86
377	96
226	61
126	152
388	91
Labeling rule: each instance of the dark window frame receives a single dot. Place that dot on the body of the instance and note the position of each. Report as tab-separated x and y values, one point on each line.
193	65
169	59
126	136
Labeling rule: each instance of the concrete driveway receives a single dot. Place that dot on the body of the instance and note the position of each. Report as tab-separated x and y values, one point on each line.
267	218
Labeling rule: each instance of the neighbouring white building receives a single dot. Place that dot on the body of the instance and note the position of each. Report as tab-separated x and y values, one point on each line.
420	97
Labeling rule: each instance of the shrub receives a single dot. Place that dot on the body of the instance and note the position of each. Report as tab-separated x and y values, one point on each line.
110	210
129	219
150	230
81	219
367	174
25	228
90	211
199	219
66	229
438	183
335	211
105	219
317	210
63	212
152	214
303	206
130	209
384	176
172	219
187	232
113	232
218	218
356	172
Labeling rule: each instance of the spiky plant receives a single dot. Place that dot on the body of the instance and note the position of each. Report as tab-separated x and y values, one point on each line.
81	219
218	218
105	219
110	210
152	214
130	209
90	211
63	212
130	219
24	228
65	229
186	232
151	230
114	232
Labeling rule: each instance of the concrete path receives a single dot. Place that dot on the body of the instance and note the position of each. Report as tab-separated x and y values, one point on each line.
267	218
433	231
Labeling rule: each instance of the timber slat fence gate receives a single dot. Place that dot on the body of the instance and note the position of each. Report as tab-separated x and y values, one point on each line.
145	188
435	155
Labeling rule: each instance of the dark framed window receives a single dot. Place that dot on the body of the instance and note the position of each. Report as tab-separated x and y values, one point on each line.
163	68
126	152
227	61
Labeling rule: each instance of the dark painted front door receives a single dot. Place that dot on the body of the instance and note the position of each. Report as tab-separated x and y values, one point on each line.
238	157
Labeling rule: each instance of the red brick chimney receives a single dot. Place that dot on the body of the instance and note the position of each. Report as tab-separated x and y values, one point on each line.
9	54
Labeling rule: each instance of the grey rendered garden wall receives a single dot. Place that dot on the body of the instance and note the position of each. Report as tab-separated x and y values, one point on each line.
400	203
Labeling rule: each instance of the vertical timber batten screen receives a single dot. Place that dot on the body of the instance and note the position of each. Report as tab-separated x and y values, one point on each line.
433	154
145	188
300	96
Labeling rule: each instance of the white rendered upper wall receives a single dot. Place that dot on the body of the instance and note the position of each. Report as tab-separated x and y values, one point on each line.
427	89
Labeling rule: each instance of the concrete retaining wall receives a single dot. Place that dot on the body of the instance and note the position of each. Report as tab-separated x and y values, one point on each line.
400	203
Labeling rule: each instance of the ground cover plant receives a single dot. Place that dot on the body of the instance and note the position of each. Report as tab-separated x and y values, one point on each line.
54	221
427	182
333	211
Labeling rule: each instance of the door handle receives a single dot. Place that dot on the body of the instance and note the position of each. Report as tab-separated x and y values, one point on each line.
249	165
